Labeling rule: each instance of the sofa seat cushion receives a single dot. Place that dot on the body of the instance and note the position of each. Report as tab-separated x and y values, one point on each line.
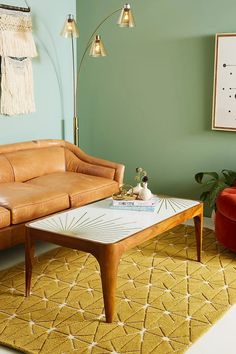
226	203
5	217
82	188
27	202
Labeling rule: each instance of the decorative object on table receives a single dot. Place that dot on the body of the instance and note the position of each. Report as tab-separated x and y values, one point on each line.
125	199
125	193
224	103
17	47
97	49
138	178
145	193
138	198
137	188
214	185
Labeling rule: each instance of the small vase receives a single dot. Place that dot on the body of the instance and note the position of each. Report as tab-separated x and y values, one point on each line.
145	193
137	189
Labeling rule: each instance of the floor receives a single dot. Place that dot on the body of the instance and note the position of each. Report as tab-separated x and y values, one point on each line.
219	340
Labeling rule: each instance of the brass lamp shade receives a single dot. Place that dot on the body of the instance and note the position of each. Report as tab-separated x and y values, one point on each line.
70	28
97	48
126	18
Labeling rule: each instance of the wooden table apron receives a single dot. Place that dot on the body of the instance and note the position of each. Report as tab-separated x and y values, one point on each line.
108	255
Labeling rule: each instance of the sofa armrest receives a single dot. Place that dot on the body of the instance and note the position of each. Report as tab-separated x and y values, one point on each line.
78	161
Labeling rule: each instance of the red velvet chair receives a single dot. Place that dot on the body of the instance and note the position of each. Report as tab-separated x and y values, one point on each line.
225	221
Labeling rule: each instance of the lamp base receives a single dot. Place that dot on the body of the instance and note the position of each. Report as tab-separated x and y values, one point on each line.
76	131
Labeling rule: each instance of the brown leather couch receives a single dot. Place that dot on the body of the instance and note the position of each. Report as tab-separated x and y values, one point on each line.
42	177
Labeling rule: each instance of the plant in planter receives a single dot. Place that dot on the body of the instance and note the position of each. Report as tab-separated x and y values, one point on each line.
213	184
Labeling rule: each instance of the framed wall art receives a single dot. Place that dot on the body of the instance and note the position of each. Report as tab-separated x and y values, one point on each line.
224	93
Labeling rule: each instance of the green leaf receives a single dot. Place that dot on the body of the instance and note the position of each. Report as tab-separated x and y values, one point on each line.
199	176
210	182
218	187
204	196
230	176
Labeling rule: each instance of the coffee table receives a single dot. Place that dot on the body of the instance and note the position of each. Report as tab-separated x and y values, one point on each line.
107	233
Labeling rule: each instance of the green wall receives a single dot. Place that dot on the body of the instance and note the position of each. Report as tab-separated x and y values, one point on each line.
52	77
149	102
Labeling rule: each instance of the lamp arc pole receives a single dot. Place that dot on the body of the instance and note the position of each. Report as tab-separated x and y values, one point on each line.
75	119
71	31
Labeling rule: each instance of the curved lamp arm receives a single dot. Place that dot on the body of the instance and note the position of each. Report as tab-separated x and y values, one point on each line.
90	42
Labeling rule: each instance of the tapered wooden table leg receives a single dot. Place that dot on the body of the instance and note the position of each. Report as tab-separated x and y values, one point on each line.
109	262
198	222
29	259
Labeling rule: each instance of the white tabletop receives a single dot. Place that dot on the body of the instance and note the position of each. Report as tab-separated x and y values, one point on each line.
100	223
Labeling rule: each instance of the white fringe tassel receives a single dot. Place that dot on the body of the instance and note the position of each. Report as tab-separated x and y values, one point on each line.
17	44
17	87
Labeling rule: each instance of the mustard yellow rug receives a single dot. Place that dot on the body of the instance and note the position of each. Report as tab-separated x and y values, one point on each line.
165	299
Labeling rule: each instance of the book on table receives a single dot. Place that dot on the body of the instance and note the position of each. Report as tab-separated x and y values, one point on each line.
136	202
133	207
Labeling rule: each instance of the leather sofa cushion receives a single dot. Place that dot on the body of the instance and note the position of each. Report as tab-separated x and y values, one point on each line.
5	217
226	203
28	164
82	189
27	202
6	172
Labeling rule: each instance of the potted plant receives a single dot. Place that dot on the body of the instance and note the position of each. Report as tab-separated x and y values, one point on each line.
213	184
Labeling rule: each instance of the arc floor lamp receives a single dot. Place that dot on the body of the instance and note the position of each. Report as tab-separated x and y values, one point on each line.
97	49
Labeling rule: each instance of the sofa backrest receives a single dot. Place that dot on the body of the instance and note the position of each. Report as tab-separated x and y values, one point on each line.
23	161
6	171
29	164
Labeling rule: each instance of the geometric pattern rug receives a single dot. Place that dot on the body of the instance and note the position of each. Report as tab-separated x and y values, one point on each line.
165	299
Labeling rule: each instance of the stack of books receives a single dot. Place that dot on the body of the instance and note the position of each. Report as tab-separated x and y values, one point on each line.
136	204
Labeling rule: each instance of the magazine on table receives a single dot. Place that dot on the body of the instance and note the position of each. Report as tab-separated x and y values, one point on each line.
133	207
136	202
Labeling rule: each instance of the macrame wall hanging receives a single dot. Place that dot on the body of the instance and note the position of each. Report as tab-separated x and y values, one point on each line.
17	48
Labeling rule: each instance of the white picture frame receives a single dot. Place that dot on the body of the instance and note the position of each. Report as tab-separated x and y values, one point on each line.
224	88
